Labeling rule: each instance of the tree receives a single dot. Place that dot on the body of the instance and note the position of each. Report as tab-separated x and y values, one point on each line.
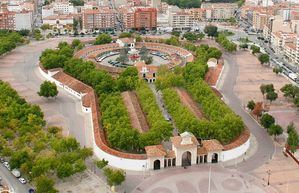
103	39
266	88
263	89
114	176
267	120
24	32
143	51
48	89
75	43
190	36
45	27
251	105
173	41
290	90
291	127
176	33
211	30
138	38
184	3
123	56
45	185
255	49
277	70
275	130
296	101
264	58
243	46
18	158
271	96
101	163
125	35
77	2
293	140
37	34
64	170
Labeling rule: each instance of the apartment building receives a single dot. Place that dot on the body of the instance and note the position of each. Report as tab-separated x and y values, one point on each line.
11	20
59	7
138	17
6	18
127	17
279	39
219	10
181	20
102	18
153	3
276	24
291	52
259	19
199	14
145	17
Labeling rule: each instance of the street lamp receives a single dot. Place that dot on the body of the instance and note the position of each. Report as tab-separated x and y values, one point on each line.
269	173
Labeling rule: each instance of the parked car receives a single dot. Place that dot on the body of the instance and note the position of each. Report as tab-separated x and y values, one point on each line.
22	180
2	159
6	164
16	173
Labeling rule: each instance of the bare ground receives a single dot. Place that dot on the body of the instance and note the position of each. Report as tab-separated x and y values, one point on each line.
189	103
137	117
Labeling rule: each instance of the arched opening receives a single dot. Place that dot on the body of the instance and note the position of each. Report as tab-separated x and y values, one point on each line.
215	158
186	159
157	164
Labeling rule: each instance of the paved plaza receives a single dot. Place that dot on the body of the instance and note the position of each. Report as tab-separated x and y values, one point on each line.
195	179
84	182
251	75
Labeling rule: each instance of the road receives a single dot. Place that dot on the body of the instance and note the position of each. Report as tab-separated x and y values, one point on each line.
20	69
12	181
227	82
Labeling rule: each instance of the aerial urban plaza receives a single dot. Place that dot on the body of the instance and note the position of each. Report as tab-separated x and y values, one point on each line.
153	96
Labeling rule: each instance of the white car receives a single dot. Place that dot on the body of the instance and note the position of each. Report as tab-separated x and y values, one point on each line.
6	164
22	180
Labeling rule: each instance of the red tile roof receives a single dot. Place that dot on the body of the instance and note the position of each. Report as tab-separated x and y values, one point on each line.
155	151
212	145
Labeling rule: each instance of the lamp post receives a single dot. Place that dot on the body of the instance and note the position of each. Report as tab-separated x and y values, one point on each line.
269	173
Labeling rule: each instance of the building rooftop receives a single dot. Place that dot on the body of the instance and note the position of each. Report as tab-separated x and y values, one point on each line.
155	151
71	82
212	145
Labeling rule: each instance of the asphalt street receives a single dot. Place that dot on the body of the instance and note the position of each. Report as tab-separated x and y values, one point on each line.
12	181
265	148
20	69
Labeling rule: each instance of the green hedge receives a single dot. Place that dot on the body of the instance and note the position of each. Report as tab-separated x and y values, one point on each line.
160	129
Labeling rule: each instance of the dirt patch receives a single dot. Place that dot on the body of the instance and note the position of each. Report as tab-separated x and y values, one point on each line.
137	117
189	103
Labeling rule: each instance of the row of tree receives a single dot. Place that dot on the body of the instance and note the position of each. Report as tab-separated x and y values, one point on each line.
183	118
268	122
184	3
40	153
115	118
221	122
225	43
160	129
9	41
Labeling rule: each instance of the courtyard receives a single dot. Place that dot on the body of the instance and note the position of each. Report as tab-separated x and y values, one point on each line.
195	179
